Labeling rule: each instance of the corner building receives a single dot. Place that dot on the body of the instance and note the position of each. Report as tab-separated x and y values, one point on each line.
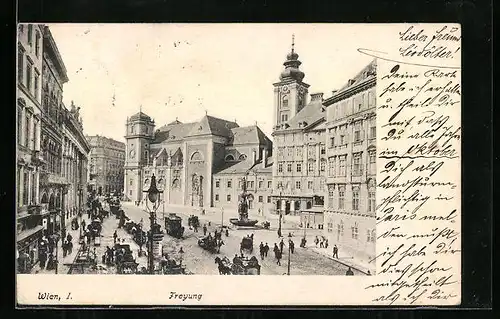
190	160
299	155
351	150
107	162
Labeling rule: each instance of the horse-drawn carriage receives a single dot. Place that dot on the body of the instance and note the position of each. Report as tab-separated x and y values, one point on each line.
125	260
239	266
210	243
95	228
171	267
247	244
193	221
173	225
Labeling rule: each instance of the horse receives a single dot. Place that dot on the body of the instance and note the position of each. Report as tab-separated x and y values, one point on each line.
223	269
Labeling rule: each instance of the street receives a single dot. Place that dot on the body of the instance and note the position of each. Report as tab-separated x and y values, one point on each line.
198	261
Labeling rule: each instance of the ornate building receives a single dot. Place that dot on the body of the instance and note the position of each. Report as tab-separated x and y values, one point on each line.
351	150
76	150
29	160
107	162
53	185
190	159
299	146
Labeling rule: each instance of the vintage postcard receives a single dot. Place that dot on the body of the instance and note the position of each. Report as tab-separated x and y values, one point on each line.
238	164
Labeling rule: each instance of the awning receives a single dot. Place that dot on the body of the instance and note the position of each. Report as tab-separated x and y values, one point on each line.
318	210
28	233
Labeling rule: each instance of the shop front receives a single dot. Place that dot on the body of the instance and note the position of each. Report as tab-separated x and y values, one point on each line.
27	248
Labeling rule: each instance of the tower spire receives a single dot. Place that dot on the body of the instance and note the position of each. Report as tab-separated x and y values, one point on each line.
293	43
140	108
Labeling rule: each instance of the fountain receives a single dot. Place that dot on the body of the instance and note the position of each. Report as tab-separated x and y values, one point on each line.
243	209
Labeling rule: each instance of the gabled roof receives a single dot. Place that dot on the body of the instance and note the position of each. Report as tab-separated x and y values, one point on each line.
311	114
210	125
245	166
173	132
235	167
248	135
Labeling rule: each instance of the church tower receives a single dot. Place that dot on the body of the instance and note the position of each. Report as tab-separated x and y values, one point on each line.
290	93
140	133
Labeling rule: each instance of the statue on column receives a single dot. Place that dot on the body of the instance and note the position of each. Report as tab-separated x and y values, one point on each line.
243	208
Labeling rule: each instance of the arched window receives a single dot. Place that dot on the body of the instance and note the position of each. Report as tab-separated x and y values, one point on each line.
229	158
196	156
176	183
285	101
242	157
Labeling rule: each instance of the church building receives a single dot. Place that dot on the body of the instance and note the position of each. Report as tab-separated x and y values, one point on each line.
190	160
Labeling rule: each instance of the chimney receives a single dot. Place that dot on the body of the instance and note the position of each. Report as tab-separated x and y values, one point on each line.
317	97
334	91
350	82
254	157
264	157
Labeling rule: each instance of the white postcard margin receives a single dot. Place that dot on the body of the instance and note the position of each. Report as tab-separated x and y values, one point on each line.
410	276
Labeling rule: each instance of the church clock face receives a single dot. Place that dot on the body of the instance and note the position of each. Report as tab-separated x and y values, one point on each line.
132	154
285	89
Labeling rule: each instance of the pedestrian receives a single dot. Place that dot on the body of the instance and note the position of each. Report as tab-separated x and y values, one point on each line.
326	243
88	213
266	249
42	258
349	272
321	244
277	254
65	248
316	241
282	244
204	229
292	246
261	250
335	252
115	235
227	232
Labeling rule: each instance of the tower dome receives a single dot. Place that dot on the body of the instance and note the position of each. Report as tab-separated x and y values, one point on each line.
292	65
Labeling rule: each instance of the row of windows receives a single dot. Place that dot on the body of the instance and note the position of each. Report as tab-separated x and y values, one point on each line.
370	233
299	151
27	129
250	184
27	74
353	105
298	185
355	199
26	188
298	166
337	164
260	199
358	137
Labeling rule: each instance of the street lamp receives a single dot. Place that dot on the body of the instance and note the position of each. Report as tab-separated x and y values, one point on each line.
153	196
289	252
181	253
280	187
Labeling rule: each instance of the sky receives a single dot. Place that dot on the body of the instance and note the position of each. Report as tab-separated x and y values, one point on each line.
184	70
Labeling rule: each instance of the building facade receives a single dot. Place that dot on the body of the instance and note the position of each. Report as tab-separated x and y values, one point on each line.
106	166
28	124
299	151
351	149
190	159
76	150
53	185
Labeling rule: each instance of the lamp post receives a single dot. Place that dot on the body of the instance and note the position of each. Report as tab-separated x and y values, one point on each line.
153	196
289	252
280	187
181	253
222	218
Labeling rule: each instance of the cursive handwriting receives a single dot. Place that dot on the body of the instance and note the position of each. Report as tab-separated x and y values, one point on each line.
418	172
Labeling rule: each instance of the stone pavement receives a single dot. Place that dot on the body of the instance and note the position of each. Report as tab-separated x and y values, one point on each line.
290	225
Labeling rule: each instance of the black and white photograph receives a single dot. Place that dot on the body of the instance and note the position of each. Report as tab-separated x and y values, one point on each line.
226	150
